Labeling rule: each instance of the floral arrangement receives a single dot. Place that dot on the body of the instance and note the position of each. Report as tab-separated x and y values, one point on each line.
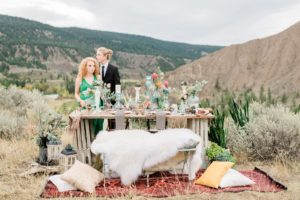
189	100
105	90
97	83
157	78
160	90
197	87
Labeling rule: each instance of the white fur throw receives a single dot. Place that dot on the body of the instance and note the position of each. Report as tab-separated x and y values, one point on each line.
128	152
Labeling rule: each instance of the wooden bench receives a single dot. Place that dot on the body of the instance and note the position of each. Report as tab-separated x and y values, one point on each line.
175	165
84	136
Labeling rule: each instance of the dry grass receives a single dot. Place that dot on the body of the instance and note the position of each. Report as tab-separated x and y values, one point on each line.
17	155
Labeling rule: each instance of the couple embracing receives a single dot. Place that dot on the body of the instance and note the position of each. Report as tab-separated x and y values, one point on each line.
91	69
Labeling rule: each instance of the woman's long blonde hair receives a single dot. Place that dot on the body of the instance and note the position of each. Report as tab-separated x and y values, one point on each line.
82	70
106	52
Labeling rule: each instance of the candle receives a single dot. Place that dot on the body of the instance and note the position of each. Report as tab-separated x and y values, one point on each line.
184	89
118	89
97	98
137	94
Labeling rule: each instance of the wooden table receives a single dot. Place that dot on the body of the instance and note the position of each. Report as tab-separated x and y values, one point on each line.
84	136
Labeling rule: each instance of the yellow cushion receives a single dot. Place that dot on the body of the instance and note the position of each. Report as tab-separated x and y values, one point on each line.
214	173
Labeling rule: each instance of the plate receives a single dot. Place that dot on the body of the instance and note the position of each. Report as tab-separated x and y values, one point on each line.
128	112
201	111
154	112
113	112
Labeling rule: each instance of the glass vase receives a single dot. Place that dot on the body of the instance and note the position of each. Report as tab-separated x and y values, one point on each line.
166	104
118	105
182	107
148	85
193	101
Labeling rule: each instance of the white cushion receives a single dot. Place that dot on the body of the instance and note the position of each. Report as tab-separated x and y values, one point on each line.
61	185
234	178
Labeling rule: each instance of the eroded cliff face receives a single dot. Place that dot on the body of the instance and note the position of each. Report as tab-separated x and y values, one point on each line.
272	62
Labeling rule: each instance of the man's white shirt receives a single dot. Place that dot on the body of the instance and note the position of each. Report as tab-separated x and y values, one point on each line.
105	68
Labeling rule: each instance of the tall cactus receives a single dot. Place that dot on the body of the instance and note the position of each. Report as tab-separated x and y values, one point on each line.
217	132
239	114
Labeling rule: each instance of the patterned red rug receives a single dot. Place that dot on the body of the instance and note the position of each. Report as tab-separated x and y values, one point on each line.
165	184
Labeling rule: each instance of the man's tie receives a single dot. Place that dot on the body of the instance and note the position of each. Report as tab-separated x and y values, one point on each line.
102	72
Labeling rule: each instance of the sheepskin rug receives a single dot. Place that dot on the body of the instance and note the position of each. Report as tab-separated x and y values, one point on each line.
128	152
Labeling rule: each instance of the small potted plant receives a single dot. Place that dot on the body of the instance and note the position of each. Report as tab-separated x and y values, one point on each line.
216	153
48	126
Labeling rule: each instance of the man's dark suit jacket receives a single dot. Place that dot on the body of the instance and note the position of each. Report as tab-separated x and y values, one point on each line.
111	76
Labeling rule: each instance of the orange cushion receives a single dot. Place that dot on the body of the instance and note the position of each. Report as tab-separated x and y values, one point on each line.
214	173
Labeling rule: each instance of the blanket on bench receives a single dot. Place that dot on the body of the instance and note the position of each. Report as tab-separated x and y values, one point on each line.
129	152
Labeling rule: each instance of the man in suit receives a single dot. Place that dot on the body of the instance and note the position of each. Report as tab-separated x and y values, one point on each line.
110	73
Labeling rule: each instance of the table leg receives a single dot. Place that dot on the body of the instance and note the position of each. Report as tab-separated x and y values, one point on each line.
200	127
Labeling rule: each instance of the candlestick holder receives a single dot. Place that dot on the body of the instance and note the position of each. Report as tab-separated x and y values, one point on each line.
118	105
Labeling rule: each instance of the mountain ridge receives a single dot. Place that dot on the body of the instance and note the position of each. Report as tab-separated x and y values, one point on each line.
271	62
27	43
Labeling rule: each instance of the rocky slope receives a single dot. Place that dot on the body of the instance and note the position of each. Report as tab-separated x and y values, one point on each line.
272	62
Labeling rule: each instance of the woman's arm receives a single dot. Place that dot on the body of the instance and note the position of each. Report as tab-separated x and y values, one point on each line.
77	95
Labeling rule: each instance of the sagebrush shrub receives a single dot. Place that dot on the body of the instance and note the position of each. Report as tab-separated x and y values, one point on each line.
17	108
19	101
271	132
10	124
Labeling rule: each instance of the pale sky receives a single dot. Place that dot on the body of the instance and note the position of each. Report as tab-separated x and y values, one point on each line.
214	22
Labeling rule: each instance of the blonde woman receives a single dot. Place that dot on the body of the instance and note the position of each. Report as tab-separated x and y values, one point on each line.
84	90
110	73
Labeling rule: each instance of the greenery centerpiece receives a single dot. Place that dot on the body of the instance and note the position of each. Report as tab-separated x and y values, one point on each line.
189	99
105	94
192	91
49	124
